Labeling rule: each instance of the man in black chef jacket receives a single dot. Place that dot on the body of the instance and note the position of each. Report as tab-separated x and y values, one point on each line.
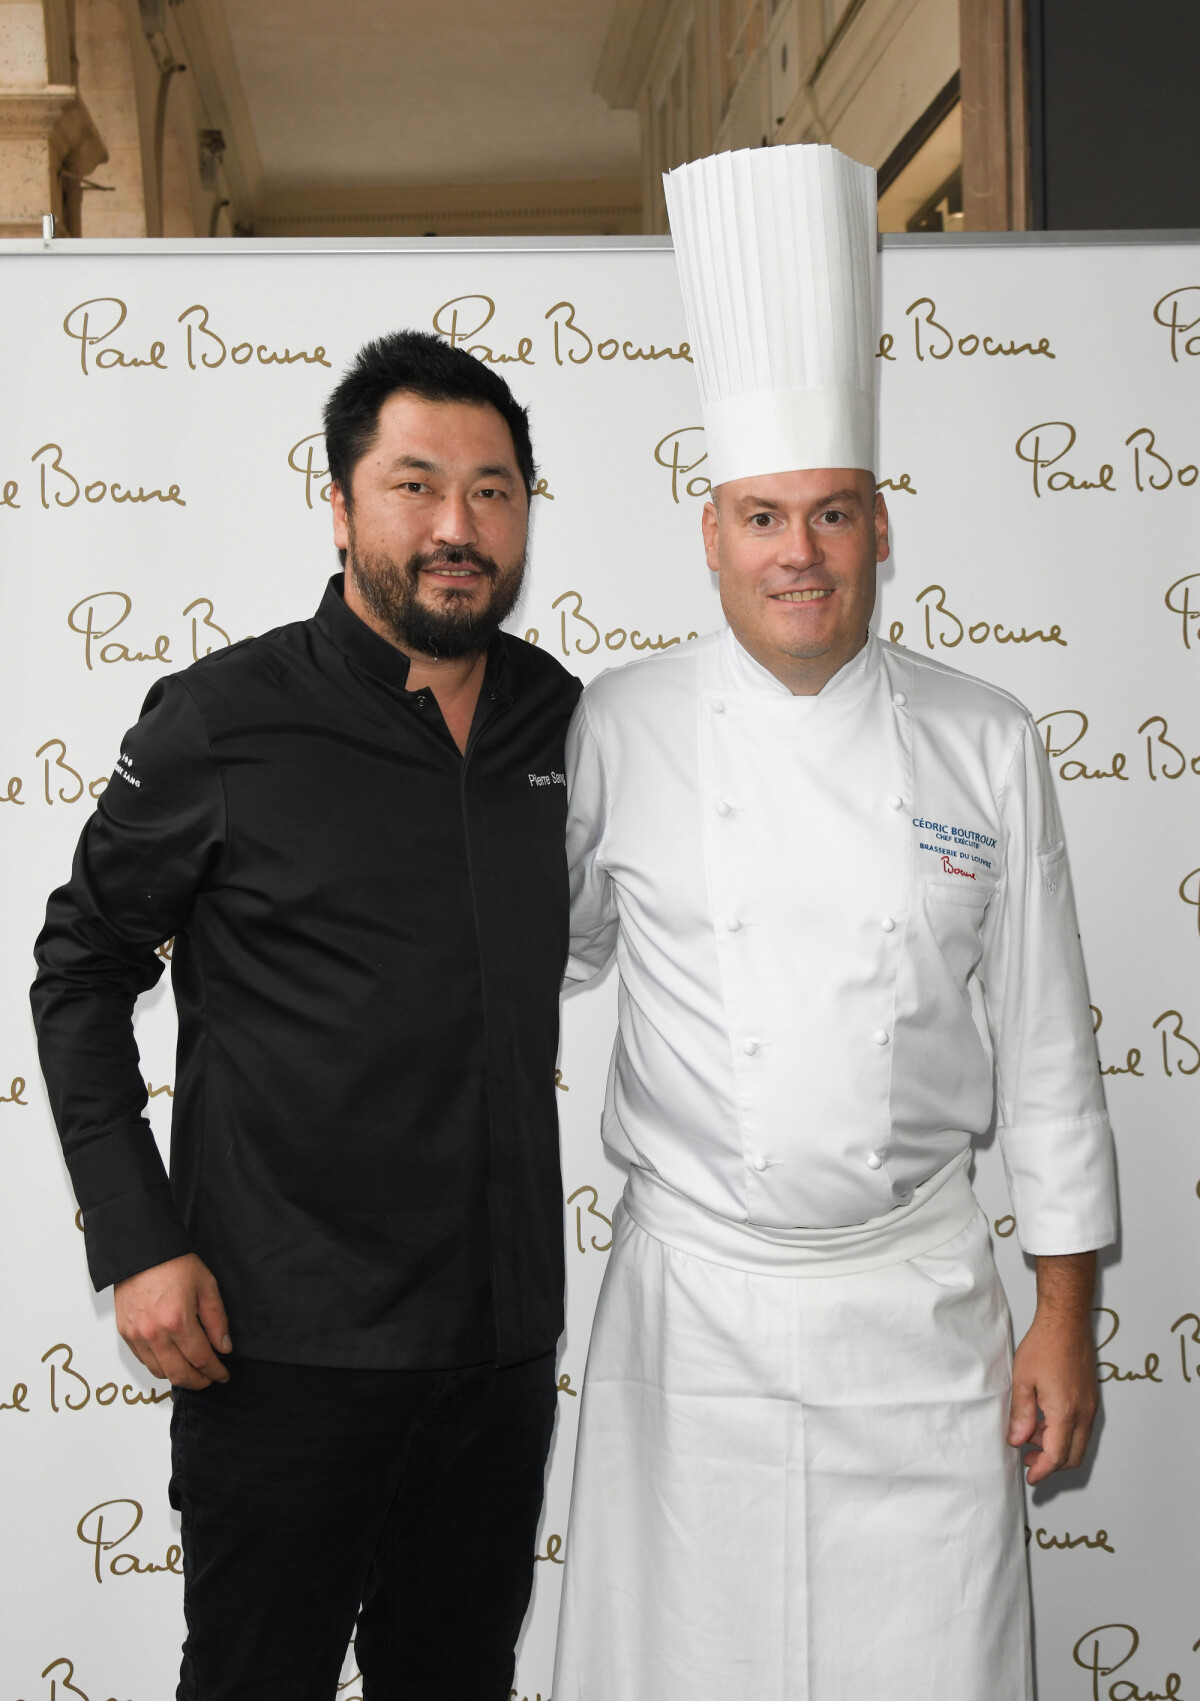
352	827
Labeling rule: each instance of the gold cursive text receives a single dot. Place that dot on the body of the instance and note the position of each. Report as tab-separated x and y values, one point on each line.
672	446
77	1392
1105	1650
951	630
92	1530
932	339
592	1210
1109	1372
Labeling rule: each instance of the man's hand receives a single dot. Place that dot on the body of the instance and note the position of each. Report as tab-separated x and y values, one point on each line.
171	1317
1054	1395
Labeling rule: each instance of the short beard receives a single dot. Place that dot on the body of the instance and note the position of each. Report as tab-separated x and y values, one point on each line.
450	630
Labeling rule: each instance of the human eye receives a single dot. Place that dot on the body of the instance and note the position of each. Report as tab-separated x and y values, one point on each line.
834	516
490	493
412	486
761	522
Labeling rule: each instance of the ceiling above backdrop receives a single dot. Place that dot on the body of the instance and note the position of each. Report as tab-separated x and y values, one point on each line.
379	92
378	116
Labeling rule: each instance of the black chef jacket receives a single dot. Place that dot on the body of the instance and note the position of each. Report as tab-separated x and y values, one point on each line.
370	933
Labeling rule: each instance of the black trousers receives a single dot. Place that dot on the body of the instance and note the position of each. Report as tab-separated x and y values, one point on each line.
409	1498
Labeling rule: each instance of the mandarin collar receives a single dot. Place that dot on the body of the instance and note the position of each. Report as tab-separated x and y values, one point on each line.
384	661
746	674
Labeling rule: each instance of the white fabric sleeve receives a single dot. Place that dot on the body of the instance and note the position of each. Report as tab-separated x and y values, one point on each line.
594	921
1051	1121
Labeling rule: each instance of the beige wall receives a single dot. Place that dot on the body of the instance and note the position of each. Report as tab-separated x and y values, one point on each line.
84	78
857	73
22	44
106	77
143	172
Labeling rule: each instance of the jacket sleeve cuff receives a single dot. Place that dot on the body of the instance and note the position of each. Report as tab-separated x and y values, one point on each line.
1062	1181
132	1232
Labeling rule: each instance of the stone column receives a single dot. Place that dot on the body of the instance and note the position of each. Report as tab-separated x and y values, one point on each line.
47	138
994	114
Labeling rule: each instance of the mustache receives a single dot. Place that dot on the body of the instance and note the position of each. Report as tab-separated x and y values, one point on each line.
453	555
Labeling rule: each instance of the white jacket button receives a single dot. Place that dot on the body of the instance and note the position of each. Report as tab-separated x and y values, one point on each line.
880	1036
874	1161
750	1047
895	801
717	706
732	924
887	924
899	699
724	808
760	1164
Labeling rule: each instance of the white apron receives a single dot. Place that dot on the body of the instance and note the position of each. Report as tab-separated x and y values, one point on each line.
792	1481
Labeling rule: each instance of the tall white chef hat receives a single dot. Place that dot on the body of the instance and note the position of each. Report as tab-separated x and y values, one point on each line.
776	252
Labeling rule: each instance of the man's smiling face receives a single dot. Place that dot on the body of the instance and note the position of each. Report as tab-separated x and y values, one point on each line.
796	554
435	535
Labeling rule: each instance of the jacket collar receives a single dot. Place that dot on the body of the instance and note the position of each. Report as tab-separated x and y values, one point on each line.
384	661
746	674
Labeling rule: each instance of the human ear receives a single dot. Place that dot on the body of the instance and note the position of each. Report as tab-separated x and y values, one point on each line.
341	522
710	525
883	547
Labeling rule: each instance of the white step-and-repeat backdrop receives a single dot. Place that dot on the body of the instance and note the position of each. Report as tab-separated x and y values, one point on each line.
162	492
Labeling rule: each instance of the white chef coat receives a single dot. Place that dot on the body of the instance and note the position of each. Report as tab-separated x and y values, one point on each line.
846	940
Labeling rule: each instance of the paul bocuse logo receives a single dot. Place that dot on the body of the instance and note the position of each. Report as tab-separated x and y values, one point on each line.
1063	731
671	452
107	1528
463	319
94	324
1109	1648
1147	468
100	614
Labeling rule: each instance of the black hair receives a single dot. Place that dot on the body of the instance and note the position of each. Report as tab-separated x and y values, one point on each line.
418	364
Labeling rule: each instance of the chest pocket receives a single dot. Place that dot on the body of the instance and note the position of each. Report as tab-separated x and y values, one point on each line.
954	915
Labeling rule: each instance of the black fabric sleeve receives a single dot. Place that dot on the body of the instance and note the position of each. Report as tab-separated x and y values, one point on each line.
153	844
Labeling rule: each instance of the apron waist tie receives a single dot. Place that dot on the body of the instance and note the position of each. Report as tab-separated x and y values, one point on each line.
939	1209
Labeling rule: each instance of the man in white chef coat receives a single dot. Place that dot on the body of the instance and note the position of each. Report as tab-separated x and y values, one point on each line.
834	877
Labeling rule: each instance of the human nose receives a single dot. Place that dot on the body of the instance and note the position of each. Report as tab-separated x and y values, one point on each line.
800	547
453	523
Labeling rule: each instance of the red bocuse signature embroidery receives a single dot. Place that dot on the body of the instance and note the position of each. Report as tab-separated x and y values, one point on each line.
950	868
